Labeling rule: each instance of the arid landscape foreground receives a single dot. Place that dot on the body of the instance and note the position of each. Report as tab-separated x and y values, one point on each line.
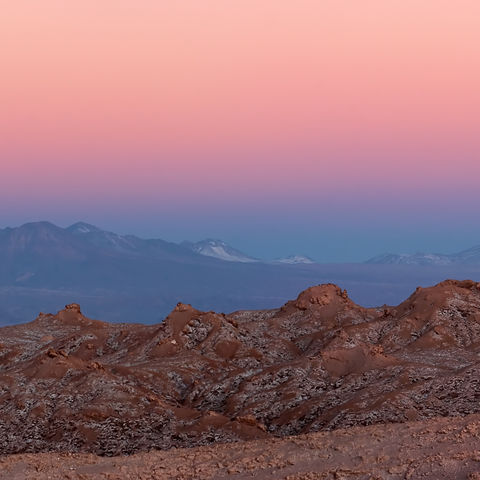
445	448
319	388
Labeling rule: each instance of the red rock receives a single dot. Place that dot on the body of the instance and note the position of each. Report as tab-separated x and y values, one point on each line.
320	362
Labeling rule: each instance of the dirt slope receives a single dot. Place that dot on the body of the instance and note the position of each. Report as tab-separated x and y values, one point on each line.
447	448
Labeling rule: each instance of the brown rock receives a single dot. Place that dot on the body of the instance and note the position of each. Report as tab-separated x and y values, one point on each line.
320	363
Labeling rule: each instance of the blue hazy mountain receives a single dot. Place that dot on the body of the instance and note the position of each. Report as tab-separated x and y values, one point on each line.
220	250
465	257
130	279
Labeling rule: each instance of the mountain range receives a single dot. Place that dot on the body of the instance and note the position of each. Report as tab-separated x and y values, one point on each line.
470	256
219	249
124	278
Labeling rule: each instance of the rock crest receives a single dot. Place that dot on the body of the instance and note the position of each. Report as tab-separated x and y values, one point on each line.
319	363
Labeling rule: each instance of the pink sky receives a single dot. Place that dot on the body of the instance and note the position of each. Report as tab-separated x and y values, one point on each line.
193	101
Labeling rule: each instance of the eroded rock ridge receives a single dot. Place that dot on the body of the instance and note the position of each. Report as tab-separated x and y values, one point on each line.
320	362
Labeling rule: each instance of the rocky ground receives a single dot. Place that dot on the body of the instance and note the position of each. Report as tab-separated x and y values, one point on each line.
447	448
318	363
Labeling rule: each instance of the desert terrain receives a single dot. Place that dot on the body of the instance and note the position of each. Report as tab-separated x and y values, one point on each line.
446	448
318	388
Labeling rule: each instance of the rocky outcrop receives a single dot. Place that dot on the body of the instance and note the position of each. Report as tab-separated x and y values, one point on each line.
320	362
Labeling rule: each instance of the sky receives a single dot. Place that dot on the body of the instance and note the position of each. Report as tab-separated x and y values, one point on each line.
339	129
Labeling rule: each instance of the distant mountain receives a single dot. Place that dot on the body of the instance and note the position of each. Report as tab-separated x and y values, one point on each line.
124	278
41	240
127	278
412	259
470	256
129	244
219	249
80	228
295	260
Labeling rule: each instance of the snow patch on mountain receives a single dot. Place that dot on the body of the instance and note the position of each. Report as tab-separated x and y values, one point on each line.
219	249
470	256
295	260
82	227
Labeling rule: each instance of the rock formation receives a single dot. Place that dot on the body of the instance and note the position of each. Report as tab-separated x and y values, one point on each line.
320	362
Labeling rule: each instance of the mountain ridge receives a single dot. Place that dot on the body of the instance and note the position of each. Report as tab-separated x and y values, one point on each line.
470	255
216	248
318	362
122	277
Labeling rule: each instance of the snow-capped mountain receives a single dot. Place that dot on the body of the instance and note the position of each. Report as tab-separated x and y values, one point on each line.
127	278
219	249
82	227
412	259
295	260
470	256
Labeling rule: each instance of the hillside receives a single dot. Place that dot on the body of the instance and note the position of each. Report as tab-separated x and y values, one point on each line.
317	363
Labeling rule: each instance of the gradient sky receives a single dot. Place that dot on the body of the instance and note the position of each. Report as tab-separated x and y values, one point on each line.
338	129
